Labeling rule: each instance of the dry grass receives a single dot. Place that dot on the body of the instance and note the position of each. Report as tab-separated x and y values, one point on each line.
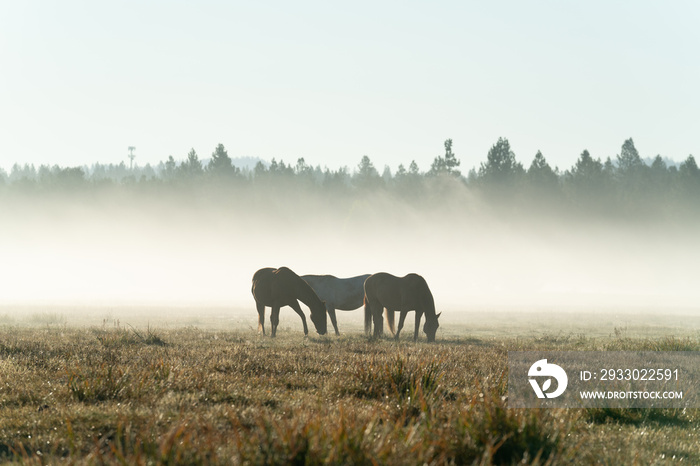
188	396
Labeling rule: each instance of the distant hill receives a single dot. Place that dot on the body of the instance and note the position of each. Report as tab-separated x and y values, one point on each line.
669	163
244	163
248	162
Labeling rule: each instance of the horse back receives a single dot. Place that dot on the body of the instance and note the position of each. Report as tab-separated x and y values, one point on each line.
385	289
285	283
399	293
275	286
341	293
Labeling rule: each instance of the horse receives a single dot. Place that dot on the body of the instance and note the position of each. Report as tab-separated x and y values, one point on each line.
345	294
403	294
281	287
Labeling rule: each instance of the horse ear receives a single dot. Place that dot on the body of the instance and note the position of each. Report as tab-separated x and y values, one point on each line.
439	314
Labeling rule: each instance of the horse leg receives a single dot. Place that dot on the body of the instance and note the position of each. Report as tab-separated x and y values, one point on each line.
274	320
261	317
390	321
295	305
402	317
415	333
368	317
331	314
377	311
373	315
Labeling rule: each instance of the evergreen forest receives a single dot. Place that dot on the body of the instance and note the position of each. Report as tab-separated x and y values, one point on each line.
624	186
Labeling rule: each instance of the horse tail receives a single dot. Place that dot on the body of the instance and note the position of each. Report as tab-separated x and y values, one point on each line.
368	317
390	321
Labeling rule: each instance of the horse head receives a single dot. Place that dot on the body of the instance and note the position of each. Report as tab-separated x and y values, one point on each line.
318	317
430	327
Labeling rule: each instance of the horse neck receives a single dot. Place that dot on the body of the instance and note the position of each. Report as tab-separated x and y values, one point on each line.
306	294
429	307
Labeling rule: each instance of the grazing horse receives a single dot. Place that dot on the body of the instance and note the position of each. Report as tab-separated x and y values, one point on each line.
403	294
282	287
345	294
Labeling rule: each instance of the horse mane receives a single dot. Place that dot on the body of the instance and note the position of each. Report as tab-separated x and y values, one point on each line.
426	294
262	272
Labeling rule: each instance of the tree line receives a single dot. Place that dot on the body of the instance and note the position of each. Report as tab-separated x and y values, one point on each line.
625	184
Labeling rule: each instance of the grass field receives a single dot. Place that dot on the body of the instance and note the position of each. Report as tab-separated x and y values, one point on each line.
134	392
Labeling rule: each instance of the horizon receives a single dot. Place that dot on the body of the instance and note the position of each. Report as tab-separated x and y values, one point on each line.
248	162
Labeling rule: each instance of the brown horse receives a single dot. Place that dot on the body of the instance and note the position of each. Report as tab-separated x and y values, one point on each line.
403	294
276	288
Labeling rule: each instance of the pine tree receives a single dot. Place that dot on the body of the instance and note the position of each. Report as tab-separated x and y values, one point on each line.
540	174
689	175
629	160
170	166
447	164
501	168
220	163
401	171
192	166
366	175
660	177
587	174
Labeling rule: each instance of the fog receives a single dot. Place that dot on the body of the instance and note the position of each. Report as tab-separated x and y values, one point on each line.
124	251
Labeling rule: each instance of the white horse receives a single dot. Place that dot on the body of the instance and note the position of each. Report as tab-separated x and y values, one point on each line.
345	294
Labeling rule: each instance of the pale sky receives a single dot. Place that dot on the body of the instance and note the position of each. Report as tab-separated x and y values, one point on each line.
80	81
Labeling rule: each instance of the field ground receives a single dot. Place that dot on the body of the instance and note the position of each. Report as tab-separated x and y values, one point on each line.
201	386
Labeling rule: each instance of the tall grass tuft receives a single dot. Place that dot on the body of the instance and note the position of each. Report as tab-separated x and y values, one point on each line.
105	383
401	377
502	435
